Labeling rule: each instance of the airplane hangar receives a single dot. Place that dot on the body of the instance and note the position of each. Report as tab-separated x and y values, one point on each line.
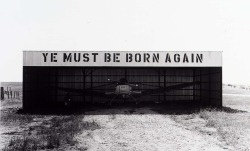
158	76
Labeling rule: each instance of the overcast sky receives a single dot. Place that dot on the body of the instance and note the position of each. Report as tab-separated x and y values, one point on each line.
145	25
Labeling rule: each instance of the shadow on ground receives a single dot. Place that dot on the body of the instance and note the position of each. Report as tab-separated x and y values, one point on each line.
102	109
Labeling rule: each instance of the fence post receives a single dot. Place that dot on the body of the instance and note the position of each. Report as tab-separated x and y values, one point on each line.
2	93
8	92
11	94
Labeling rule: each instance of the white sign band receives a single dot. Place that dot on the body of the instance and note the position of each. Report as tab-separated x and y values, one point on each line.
123	59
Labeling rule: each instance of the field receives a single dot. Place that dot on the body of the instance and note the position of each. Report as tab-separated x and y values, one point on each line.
131	128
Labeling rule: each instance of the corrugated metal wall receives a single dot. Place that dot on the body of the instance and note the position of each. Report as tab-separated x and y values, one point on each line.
40	84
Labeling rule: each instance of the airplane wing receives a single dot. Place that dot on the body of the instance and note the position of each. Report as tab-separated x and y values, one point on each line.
109	93
169	88
86	92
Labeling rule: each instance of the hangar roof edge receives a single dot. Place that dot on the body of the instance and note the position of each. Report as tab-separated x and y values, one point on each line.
120	51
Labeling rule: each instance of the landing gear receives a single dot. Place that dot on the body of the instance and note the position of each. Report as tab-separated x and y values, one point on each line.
110	102
137	102
67	101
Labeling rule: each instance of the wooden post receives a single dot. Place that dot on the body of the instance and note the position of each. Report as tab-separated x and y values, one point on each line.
14	94
2	93
11	94
8	93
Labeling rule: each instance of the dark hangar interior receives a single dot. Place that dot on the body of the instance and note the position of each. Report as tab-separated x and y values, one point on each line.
41	85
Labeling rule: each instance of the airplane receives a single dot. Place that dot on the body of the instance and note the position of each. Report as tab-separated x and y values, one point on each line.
125	89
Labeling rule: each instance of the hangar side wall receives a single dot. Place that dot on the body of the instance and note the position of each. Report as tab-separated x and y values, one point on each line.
210	89
41	85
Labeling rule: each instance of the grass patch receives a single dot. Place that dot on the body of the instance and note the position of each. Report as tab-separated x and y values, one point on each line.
231	127
22	144
53	134
10	117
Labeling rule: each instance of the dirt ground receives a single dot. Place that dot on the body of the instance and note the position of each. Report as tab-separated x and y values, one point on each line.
145	128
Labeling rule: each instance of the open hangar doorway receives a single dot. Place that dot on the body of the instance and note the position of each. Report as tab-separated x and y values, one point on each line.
48	86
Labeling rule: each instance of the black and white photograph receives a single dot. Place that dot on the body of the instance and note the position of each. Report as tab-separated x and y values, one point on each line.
135	75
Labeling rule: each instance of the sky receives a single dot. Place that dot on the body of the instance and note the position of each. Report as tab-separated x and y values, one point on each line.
128	25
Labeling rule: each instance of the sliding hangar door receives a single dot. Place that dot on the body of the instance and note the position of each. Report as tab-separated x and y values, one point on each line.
51	76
